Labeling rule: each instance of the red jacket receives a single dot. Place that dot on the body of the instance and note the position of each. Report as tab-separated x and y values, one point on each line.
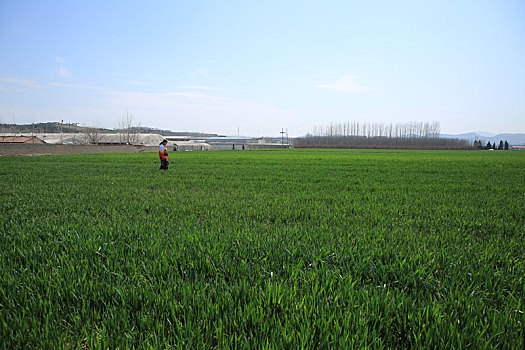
163	154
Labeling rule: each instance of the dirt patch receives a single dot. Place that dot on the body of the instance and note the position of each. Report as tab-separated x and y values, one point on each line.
45	149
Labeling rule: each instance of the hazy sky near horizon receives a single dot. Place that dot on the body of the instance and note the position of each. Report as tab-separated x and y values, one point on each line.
259	66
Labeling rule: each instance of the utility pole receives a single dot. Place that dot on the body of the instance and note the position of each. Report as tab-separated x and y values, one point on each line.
282	137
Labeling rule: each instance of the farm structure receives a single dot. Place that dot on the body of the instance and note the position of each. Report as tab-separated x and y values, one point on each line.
189	146
78	143
182	143
93	138
223	143
241	143
21	139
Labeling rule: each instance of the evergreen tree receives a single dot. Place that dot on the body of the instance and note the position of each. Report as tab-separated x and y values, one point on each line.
488	146
500	145
506	145
494	146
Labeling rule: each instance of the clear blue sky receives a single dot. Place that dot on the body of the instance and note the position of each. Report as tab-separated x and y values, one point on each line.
259	66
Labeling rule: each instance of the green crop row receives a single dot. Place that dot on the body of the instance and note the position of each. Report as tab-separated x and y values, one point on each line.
251	249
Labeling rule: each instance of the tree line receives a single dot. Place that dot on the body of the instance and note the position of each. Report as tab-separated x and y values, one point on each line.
380	135
502	146
390	130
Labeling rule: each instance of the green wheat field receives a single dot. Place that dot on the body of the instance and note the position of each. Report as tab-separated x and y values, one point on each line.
263	249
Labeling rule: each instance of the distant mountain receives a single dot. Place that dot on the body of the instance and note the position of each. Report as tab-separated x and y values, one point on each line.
485	133
512	139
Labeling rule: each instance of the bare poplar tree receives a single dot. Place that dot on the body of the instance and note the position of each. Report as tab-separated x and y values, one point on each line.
93	135
435	129
127	132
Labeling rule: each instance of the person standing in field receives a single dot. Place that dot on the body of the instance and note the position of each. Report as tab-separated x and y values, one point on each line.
163	155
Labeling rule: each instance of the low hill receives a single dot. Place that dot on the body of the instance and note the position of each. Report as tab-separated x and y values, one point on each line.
49	127
73	128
